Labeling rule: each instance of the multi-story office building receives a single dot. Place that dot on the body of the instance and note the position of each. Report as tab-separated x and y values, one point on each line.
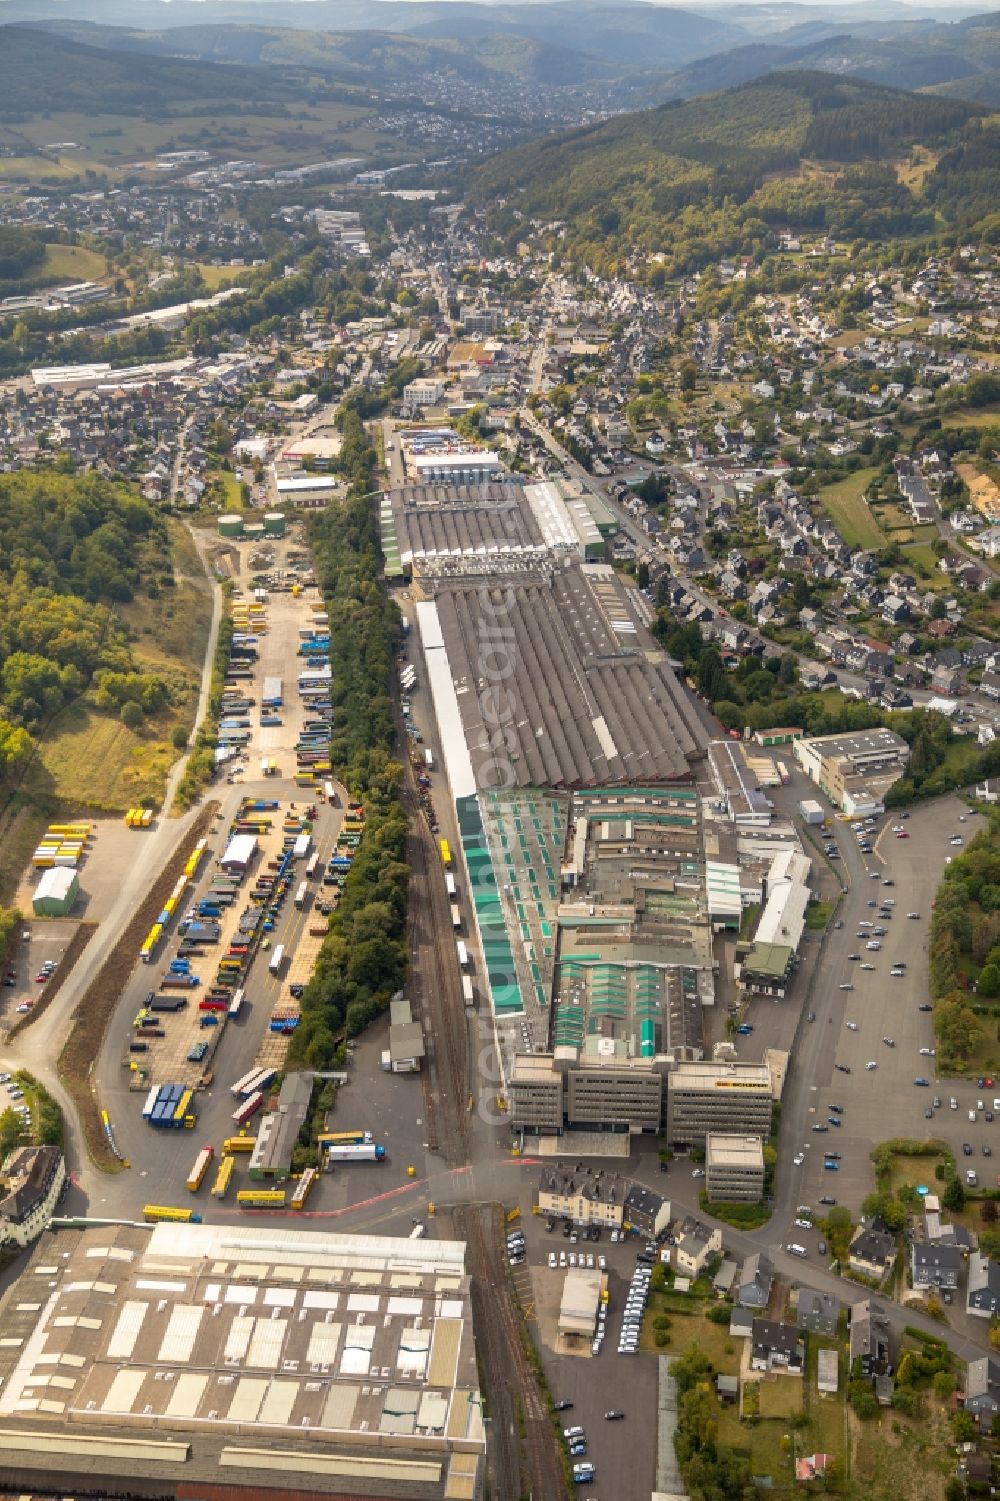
734	1168
728	1098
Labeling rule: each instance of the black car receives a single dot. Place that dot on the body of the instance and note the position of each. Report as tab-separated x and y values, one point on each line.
843	1068
614	1415
834	1156
966	1149
837	1109
828	1199
562	1406
926	1006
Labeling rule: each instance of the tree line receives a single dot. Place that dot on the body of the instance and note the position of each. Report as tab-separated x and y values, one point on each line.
363	957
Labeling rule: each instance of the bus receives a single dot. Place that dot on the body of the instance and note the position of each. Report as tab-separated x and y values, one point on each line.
222	1178
343	1138
303	1188
196	1176
277	959
261	1198
445	853
241	1143
153	1213
301	896
450	887
313	866
236	1004
248	1108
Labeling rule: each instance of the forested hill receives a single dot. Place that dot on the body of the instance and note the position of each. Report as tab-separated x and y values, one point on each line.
39	69
715	174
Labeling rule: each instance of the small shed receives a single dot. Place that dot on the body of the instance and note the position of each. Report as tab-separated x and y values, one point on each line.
827	1371
56	893
727	1388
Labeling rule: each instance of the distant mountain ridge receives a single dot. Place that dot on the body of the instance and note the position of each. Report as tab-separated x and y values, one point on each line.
39	70
959	58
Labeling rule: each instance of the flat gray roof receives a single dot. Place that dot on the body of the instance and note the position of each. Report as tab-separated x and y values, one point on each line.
588	697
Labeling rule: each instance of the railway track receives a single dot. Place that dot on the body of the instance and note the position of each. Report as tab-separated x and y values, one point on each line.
522	1451
435	984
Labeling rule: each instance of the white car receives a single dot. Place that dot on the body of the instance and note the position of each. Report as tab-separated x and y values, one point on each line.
552	1259
799	1158
804	1224
871	1064
697	1172
853	1027
927	1052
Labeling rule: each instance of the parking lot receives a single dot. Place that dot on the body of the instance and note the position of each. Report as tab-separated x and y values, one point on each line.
595	1384
37	953
852	1024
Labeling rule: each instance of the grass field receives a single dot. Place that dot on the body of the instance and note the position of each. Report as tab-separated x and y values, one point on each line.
35	168
850	513
120	141
761	1442
972	417
914	1171
21	827
215	277
924	560
231	488
898	1456
913	172
73	262
94	760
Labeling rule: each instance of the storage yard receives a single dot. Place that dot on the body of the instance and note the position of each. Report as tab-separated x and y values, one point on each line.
194	1056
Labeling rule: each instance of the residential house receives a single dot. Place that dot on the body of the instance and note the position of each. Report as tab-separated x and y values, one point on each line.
982	1390
753	1286
646	1211
818	1313
982	1299
869	1342
695	1248
776	1347
33	1179
813	1466
741	1322
873	1250
933	1265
